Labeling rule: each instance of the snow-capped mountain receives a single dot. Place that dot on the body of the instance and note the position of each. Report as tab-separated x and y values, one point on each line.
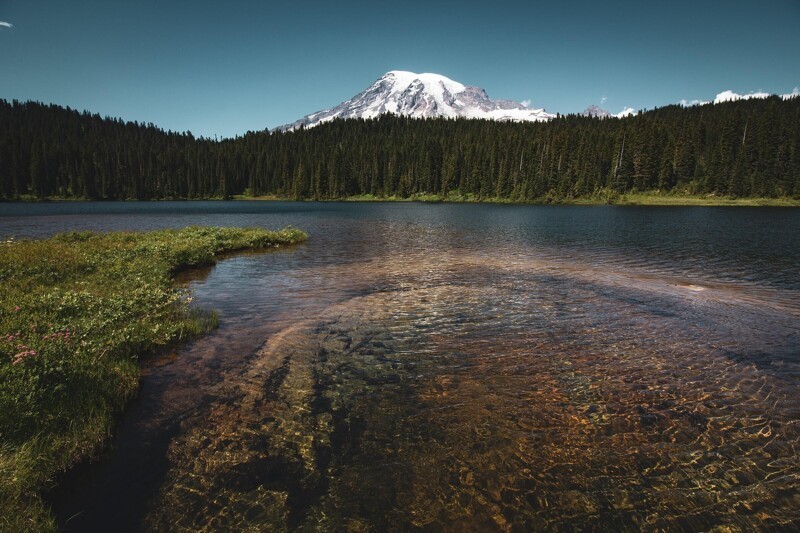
422	96
597	111
731	96
433	95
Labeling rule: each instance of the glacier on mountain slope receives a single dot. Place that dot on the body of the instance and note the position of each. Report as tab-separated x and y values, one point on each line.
422	96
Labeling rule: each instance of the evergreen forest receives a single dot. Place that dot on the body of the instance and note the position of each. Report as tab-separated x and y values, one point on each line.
740	149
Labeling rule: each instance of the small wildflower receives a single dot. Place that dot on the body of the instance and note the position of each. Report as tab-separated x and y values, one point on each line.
22	356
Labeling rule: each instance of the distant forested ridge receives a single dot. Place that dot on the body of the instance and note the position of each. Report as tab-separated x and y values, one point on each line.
744	148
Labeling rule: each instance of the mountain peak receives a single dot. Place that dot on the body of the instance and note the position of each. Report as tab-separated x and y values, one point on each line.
596	111
402	78
425	95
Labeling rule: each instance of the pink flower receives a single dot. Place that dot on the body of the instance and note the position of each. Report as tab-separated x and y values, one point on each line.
17	308
21	356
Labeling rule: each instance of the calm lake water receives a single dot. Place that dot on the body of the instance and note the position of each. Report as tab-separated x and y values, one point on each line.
464	367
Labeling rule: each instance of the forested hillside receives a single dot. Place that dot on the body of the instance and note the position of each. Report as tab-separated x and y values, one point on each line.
744	148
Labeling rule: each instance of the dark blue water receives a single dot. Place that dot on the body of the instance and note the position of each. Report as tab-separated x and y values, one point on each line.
460	366
724	243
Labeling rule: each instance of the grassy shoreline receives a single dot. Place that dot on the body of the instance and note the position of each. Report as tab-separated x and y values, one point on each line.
643	199
77	311
605	197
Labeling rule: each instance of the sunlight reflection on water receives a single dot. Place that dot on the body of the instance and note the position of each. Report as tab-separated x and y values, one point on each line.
484	391
471	367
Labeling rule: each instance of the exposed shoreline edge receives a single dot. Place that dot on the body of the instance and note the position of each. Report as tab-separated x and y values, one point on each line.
628	199
643	199
81	310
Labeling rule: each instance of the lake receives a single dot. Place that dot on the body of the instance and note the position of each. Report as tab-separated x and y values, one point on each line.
463	367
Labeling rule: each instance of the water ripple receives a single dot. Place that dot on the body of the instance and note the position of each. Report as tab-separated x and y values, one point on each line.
456	367
525	395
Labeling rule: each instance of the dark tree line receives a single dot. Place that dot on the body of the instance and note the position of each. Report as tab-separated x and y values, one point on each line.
745	148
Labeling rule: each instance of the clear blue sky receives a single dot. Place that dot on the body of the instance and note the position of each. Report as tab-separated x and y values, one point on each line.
228	67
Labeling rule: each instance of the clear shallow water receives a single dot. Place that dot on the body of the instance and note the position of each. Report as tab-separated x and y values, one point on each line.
465	366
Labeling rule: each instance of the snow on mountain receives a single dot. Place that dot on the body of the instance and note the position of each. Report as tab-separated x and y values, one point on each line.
596	111
687	103
422	96
731	96
433	95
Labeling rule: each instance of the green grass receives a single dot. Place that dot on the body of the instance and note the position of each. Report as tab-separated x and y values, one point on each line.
77	312
600	197
603	197
708	200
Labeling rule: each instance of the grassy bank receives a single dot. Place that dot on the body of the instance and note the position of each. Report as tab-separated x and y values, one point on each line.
707	200
77	311
601	198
